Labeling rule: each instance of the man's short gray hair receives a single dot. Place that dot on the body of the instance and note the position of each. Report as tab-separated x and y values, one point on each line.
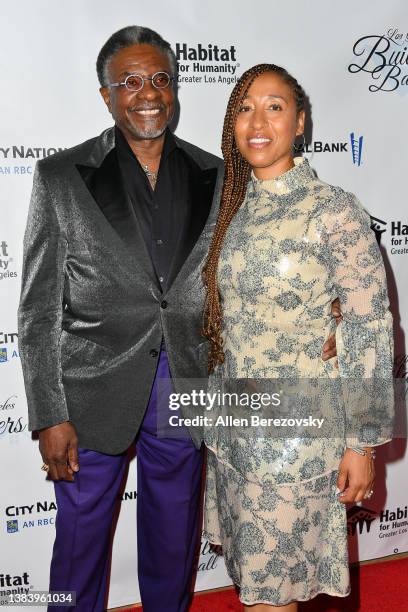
126	37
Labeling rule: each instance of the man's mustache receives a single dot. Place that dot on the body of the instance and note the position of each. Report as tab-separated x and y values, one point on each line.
142	107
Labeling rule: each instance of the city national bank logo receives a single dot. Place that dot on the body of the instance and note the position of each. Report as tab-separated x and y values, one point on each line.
38	514
360	518
384	57
22	152
128	496
12	526
9	352
356	148
6	262
208	63
353	145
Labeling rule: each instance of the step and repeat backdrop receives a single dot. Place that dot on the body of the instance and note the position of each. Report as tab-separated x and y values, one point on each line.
351	58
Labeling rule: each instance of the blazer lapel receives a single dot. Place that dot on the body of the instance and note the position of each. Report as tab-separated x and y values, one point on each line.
105	185
201	192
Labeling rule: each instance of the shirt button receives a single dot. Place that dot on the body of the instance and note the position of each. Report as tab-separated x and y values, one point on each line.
163	304
156	207
154	353
161	278
159	241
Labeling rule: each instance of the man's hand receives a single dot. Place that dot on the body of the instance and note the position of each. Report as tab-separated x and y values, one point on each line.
59	450
356	477
329	347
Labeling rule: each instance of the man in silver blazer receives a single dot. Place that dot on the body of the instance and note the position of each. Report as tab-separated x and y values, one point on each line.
112	299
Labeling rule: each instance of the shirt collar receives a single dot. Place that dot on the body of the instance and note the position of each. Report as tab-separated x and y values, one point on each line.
123	146
286	182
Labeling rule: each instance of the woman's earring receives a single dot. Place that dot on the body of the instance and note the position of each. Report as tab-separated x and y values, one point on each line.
300	147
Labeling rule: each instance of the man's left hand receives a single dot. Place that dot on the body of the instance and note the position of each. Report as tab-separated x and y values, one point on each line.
329	347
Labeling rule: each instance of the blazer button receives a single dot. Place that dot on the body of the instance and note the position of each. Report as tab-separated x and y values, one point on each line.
163	304
154	353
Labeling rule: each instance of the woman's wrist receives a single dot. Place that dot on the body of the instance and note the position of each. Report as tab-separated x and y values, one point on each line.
365	451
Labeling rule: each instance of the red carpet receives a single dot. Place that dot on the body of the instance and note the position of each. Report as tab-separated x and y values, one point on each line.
379	587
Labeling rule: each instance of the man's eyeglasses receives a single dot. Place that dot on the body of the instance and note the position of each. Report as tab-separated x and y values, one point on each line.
135	82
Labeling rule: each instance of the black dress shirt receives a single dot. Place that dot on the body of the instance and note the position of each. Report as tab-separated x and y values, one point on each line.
162	213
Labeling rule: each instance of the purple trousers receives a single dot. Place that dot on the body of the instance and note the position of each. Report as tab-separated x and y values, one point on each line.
168	514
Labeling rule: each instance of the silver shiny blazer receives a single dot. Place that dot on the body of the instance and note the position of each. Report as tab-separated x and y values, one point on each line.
92	315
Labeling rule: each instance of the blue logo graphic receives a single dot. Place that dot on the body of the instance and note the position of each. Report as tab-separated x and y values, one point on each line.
3	355
356	148
12	526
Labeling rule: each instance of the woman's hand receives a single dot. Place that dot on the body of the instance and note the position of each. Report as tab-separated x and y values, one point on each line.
356	476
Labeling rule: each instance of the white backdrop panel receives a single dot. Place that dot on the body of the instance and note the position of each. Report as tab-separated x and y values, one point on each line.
50	100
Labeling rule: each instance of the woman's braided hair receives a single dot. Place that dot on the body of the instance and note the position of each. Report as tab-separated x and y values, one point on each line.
237	173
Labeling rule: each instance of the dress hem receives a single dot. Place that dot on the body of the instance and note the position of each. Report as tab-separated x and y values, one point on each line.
213	540
288	601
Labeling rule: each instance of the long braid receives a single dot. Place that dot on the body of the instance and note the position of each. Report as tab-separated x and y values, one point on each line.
237	173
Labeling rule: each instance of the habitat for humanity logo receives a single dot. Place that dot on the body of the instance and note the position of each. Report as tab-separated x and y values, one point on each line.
206	63
360	518
5	261
379	227
398	243
384	57
392	522
11	584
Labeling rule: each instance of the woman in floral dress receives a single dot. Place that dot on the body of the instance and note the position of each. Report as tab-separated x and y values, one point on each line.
285	246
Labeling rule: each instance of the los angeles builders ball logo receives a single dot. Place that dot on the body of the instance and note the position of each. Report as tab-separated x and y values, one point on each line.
382	60
207	63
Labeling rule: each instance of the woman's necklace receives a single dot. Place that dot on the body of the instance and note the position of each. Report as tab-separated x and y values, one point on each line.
152	176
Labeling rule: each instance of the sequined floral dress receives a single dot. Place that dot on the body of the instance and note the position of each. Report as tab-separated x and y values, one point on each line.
295	245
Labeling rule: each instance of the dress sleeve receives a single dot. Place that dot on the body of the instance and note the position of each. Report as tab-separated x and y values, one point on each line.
364	337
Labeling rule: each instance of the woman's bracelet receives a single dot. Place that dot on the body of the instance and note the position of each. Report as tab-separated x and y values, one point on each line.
364	453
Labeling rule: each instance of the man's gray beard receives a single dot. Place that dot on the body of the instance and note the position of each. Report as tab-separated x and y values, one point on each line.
149	134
